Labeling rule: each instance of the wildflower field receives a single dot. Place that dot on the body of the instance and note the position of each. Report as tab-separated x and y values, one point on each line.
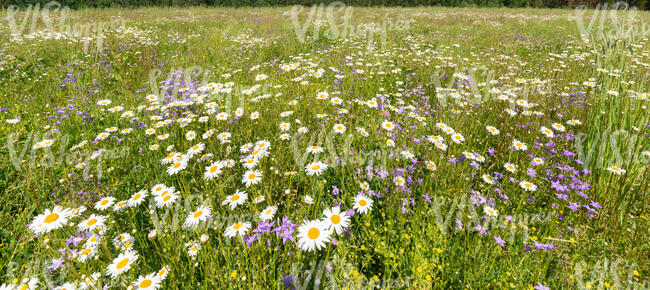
324	147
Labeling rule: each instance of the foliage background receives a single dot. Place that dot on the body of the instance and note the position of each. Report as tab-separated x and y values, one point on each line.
76	4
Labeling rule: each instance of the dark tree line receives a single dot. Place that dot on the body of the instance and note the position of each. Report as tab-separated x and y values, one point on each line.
75	4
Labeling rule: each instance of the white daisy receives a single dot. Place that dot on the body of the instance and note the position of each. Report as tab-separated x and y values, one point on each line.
121	264
362	203
50	220
313	235
237	229
335	220
238	198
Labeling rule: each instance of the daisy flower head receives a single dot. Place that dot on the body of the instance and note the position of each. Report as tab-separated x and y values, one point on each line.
202	214
469	155
120	205
322	95
407	155
490	211
259	199
315	149
313	235
177	166
339	128
213	170
104	102
239	112
335	220
193	248
364	185
537	161
510	167
50	220
573	122
492	130
399	181
547	132
518	145
238	198
315	168
387	125
558	127
430	165
268	213
150	281
162	273
262	145
238	229
124	241
250	162
224	137
488	179
457	138
137	198
171	157
104	203
362	203
196	149
251	177
166	199
527	185
284	126
121	264
86	252
158	189
616	170
91	223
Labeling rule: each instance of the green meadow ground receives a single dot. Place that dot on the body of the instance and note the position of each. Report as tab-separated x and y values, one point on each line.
566	102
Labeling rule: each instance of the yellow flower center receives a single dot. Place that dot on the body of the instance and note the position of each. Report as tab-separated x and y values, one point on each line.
336	219
198	214
92	222
313	233
122	263
145	283
51	218
363	202
238	226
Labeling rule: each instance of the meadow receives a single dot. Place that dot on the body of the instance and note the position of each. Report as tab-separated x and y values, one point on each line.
324	147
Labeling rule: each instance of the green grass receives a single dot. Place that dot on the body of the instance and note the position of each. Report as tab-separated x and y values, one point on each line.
405	241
